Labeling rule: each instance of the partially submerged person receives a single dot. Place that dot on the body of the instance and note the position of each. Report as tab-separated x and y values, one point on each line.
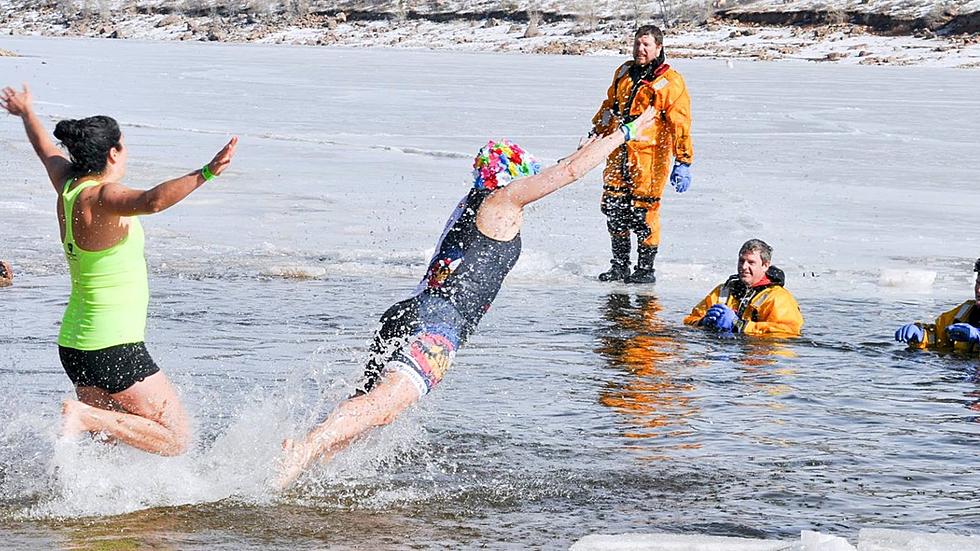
753	301
121	391
957	329
6	274
419	337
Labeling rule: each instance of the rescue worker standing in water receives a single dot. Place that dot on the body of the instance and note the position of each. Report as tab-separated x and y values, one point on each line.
955	330
636	172
753	301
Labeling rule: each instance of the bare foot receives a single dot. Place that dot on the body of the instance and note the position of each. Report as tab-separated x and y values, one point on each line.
295	459
73	418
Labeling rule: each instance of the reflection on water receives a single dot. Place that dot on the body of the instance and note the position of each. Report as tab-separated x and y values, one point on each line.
572	424
636	340
657	392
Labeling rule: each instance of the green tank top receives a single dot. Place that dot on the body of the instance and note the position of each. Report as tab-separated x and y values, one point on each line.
109	290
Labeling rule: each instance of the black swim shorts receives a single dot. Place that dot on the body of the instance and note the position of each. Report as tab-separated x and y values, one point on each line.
418	337
112	369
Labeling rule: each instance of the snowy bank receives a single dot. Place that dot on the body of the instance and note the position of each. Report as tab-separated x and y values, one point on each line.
870	32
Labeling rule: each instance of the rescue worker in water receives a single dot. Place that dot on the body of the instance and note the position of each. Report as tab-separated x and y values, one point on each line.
753	301
955	330
636	173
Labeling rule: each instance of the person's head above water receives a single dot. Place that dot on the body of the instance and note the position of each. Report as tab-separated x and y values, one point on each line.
754	259
499	163
94	144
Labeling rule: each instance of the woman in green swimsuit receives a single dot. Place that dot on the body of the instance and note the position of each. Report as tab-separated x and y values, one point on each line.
121	392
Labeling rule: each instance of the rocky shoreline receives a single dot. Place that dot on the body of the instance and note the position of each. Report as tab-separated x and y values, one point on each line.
941	37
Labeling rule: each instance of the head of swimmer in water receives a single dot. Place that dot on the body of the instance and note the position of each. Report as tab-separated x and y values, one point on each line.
754	259
499	163
976	284
94	144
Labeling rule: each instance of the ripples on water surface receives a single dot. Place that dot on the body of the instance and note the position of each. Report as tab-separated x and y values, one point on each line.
576	408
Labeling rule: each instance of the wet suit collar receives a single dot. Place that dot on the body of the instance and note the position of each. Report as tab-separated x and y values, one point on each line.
974	317
774	278
651	70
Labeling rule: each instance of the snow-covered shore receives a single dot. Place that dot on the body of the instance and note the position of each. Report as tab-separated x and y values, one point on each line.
874	32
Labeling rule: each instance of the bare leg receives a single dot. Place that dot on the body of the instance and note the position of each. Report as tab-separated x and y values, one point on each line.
95	397
349	420
152	419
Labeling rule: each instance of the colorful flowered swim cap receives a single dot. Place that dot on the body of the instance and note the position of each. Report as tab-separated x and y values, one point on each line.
498	163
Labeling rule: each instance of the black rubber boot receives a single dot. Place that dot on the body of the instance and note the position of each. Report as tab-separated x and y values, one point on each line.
620	269
644	272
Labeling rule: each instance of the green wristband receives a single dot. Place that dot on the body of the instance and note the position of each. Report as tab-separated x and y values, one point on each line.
206	172
629	130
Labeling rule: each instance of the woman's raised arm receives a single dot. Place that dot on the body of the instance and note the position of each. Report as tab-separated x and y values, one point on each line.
55	162
123	201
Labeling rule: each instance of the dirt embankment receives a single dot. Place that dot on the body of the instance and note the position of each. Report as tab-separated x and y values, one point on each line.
862	33
940	21
943	21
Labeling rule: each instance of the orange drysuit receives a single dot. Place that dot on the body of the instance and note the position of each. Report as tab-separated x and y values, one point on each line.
763	310
934	334
637	171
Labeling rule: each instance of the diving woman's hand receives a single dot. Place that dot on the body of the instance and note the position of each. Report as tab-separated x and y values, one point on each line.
645	120
634	129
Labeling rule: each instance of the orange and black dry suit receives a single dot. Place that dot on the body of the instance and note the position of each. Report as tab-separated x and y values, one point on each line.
766	308
934	334
637	171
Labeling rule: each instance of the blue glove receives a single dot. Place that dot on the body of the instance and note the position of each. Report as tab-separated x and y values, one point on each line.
963	332
680	178
719	317
909	332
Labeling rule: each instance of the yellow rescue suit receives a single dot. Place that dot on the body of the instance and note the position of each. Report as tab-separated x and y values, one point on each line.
764	310
636	173
934	334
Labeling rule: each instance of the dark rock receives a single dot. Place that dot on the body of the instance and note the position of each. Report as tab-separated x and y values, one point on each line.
215	34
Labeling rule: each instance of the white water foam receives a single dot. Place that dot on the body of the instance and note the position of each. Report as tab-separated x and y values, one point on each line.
81	477
869	539
913	280
85	477
294	271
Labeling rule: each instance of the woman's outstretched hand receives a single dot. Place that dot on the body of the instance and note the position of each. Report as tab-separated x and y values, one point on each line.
645	120
14	102
223	158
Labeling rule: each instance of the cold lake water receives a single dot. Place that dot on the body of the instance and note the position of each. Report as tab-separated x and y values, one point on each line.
578	407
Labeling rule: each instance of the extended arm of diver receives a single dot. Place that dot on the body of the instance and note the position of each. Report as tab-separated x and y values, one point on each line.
524	191
123	201
55	162
500	216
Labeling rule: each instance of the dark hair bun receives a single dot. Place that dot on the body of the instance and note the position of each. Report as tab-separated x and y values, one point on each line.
88	142
67	131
